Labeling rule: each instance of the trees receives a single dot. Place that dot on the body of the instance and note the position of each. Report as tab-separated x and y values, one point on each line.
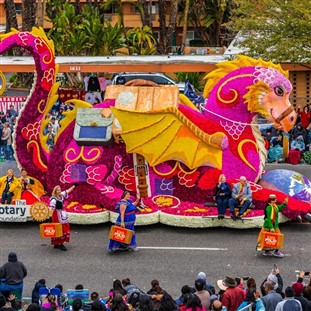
10	12
274	29
142	41
28	14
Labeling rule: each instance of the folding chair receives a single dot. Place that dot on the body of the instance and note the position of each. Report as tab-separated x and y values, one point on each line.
82	294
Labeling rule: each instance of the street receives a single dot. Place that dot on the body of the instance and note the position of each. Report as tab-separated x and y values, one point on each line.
172	255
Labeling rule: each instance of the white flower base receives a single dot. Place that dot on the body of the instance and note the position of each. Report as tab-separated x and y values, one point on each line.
213	221
141	219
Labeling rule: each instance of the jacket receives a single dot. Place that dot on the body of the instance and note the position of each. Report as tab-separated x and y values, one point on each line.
271	300
13	271
14	186
246	192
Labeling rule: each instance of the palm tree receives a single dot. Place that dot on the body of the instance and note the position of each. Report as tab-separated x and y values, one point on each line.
142	41
120	12
10	13
185	24
28	14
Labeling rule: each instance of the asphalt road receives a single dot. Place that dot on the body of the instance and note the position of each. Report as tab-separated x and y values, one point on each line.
172	255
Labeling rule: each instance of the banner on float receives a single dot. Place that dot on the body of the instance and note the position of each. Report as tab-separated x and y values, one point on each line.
14	213
7	101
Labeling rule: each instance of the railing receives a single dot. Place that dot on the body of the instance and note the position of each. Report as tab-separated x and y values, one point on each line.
248	307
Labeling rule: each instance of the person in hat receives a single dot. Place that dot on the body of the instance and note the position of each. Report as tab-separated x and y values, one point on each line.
298	288
233	295
271	222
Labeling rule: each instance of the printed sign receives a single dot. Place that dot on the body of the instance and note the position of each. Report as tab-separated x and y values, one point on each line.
14	213
271	240
7	101
120	234
51	230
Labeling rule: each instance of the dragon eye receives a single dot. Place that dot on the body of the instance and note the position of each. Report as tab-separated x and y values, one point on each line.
278	91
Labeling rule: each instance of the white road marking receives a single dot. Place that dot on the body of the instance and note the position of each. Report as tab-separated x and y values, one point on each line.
184	248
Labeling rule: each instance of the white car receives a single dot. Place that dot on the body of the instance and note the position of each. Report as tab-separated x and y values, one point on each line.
159	78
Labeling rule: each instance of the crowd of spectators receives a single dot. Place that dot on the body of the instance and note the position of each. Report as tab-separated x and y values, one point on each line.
299	140
7	124
230	294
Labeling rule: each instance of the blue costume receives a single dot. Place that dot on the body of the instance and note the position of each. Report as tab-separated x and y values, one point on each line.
129	221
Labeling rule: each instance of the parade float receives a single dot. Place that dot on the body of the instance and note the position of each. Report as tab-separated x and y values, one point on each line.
155	143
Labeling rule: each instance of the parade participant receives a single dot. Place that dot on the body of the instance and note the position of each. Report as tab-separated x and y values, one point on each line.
222	193
126	219
241	195
31	189
13	272
60	216
271	221
9	187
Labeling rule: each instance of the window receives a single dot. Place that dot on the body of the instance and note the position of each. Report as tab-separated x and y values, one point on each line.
112	9
134	9
18	8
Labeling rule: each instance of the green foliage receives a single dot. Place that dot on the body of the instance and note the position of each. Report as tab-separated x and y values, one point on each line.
83	34
195	79
307	157
274	29
142	41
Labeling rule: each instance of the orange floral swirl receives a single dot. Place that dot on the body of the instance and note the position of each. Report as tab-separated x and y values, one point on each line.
240	146
36	155
235	96
73	155
87	156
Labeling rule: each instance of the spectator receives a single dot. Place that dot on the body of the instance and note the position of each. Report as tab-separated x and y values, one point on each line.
217	306
307	290
4	307
129	288
272	298
97	306
50	141
298	144
118	303
289	302
7	140
11	113
164	302
14	272
181	301
203	294
305	116
118	288
77	304
33	307
144	303
62	299
275	152
277	280
299	130
241	196
252	297
54	124
210	288
298	289
155	287
233	295
35	297
50	303
195	304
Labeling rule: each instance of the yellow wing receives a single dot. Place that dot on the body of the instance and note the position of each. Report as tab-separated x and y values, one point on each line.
166	135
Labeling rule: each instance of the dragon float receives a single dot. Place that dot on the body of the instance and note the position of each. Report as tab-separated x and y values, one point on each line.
162	149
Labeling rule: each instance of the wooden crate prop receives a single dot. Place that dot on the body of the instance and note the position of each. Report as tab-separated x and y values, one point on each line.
270	240
143	98
120	234
92	127
51	230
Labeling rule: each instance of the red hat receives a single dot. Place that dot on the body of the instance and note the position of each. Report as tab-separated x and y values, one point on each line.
297	287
